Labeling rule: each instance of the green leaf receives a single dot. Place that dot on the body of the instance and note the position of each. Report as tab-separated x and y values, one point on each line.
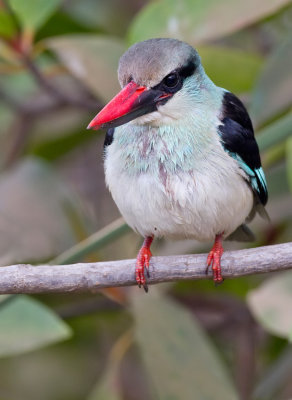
199	21
34	13
34	213
275	132
102	14
4	298
26	324
271	304
7	28
221	62
92	59
179	357
273	91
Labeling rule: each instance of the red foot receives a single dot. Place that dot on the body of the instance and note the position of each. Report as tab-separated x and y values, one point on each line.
142	261
214	259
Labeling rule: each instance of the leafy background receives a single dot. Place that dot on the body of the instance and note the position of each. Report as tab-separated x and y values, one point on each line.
58	62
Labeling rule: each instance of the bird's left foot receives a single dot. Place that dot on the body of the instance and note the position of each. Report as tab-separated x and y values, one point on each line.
214	259
142	262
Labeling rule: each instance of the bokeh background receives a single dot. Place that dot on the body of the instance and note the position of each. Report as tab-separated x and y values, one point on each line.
189	340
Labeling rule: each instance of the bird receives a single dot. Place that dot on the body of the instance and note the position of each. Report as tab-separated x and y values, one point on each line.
180	156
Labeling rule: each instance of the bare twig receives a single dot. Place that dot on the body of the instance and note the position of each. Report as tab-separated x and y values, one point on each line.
84	277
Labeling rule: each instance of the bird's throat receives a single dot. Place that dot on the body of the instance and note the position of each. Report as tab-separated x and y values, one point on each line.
144	148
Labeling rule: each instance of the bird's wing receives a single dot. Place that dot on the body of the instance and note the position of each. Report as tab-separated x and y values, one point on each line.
109	137
237	138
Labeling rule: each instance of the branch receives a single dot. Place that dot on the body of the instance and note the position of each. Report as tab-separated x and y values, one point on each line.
84	277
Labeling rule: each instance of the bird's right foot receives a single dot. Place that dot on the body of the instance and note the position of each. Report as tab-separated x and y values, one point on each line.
142	262
214	259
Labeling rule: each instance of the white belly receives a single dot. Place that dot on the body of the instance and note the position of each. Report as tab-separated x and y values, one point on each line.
201	203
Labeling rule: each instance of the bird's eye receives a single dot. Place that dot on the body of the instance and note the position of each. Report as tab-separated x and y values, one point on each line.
171	80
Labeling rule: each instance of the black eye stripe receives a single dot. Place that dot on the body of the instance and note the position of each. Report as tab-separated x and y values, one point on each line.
187	70
183	72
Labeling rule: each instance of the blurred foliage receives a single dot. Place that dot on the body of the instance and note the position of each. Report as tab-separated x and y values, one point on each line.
91	59
271	94
33	13
34	197
58	62
271	304
201	20
26	324
176	352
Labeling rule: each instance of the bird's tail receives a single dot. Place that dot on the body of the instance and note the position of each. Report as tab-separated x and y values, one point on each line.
242	234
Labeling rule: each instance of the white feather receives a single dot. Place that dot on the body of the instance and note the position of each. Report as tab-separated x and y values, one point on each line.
211	198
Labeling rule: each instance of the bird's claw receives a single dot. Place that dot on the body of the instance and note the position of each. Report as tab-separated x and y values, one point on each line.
142	262
214	260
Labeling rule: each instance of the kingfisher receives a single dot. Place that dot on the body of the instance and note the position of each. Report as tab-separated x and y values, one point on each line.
180	156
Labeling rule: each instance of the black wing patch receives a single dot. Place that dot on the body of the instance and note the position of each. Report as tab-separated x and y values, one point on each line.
238	140
109	137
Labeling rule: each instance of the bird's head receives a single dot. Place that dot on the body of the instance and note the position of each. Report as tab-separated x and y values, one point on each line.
158	77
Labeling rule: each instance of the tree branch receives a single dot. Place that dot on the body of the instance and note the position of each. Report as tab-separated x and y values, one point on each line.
84	277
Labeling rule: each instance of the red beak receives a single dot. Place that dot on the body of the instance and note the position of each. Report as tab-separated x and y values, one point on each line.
132	102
